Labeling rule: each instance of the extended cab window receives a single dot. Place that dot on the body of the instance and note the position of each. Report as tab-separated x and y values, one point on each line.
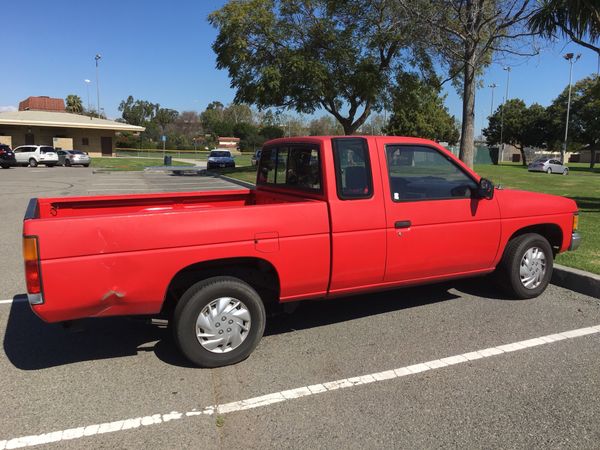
423	173
294	166
352	168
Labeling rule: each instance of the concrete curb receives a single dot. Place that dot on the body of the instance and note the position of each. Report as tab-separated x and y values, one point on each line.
576	280
236	181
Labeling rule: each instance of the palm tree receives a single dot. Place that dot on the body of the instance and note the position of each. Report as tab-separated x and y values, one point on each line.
578	20
74	104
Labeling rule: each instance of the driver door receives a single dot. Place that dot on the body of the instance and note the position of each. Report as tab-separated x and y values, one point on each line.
435	225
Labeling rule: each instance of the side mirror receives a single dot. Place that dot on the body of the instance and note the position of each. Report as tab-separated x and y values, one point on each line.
485	189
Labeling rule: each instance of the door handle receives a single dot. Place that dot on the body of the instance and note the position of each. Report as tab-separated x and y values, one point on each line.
402	224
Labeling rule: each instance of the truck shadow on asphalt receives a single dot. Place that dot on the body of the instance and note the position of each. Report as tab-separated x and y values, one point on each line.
31	344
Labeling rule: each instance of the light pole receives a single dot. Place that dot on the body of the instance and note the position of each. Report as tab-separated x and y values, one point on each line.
492	86
507	68
87	85
98	57
572	60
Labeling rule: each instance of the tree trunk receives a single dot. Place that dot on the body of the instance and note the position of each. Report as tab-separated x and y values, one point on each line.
467	136
523	157
592	157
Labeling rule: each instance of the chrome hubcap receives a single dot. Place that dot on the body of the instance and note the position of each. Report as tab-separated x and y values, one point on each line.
223	325
533	268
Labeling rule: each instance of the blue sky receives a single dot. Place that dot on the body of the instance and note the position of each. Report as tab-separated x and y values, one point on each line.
160	51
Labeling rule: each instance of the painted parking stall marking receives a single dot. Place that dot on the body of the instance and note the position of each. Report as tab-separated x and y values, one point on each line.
290	394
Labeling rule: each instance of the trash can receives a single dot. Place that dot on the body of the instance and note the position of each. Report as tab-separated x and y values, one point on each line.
168	160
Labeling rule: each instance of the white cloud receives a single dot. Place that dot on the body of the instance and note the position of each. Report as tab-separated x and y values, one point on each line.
7	108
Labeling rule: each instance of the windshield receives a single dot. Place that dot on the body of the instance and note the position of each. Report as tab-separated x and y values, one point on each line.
541	160
76	152
218	154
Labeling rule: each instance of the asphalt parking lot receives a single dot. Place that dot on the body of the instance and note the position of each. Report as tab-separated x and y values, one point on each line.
451	365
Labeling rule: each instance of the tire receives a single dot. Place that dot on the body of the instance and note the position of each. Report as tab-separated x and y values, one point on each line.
539	253
67	163
5	166
86	165
210	295
566	172
33	163
549	171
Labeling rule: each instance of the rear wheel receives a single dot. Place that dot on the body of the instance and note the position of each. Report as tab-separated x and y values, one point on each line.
86	165
4	166
218	321
33	162
526	266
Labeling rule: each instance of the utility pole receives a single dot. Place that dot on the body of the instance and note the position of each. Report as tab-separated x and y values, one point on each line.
507	68
572	60
492	86
98	57
87	85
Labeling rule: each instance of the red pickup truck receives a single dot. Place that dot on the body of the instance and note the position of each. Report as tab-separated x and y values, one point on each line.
330	216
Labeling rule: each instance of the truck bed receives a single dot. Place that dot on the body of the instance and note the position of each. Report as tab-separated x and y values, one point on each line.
147	203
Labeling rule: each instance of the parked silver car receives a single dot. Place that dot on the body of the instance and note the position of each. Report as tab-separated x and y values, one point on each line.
73	158
548	165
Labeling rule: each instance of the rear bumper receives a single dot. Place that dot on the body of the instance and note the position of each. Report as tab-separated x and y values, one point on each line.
8	162
575	241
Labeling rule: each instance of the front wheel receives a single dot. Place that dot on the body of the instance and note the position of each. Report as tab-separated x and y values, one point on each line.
67	163
526	266
218	321
549	171
4	166
566	172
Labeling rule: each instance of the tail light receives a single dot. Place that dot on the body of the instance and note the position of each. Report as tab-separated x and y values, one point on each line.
33	275
575	221
2	152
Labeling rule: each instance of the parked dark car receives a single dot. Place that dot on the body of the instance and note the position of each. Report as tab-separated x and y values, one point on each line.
220	159
73	158
7	157
255	158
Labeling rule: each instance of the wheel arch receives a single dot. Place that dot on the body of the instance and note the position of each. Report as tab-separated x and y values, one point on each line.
257	272
551	231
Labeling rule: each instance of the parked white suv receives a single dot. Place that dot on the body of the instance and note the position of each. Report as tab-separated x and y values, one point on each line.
32	155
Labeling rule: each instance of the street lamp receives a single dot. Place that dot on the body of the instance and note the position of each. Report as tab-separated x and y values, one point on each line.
492	86
87	85
507	68
572	58
98	57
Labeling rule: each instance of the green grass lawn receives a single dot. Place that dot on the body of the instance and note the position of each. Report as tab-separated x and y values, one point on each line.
129	164
581	185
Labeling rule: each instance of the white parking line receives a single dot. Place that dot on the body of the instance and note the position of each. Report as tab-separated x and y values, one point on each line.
290	394
10	301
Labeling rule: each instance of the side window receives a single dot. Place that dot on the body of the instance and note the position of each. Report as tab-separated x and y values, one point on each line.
352	168
423	173
297	166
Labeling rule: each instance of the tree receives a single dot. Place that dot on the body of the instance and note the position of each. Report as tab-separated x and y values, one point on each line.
324	126
74	104
466	34
271	132
577	20
311	54
164	117
137	112
523	126
584	119
418	110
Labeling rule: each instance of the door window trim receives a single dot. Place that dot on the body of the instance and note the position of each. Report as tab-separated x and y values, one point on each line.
410	200
338	169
